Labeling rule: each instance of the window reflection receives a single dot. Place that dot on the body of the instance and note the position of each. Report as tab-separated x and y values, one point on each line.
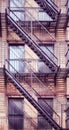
16	59
16	6
42	67
43	16
15	114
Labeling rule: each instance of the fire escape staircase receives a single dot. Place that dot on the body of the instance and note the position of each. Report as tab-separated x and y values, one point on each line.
44	57
23	34
33	102
49	7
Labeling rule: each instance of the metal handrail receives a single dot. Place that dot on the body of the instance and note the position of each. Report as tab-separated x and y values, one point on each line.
66	55
26	60
36	91
42	85
23	9
31	40
45	48
27	95
52	3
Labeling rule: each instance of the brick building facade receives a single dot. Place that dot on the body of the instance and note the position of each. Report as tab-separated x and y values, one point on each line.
34	65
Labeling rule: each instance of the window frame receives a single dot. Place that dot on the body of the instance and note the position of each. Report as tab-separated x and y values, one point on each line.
18	11
17	118
14	67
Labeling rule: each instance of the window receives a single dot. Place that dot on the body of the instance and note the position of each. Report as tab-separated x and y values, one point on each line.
15	3
67	56
16	55
17	7
15	114
0	26
67	114
43	16
49	50
42	123
67	2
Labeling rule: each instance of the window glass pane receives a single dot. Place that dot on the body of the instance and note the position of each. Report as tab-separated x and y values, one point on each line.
15	106
68	3
16	52
43	16
68	53
67	114
50	47
0	26
16	6
18	15
15	114
16	3
41	66
15	123
16	58
42	123
49	102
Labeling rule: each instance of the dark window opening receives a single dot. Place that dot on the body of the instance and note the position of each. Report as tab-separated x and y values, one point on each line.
42	123
49	50
67	114
15	114
0	26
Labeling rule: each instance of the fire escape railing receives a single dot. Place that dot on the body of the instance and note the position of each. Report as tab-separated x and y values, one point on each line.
32	79
33	20
50	7
67	58
31	99
27	37
27	16
38	66
27	66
